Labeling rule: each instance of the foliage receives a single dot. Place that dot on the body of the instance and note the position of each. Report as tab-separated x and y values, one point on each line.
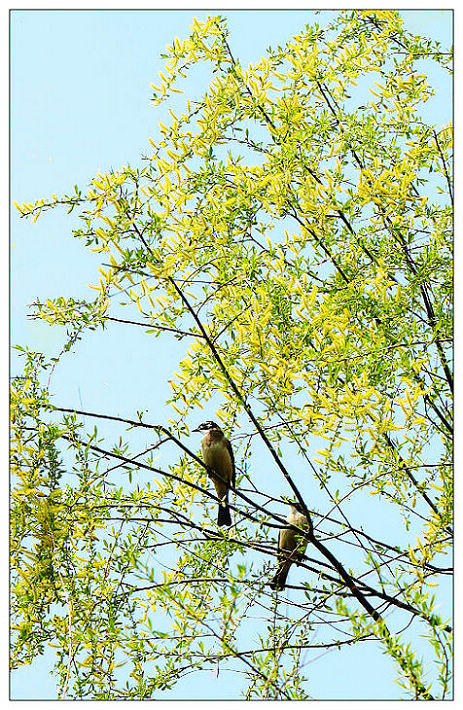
296	240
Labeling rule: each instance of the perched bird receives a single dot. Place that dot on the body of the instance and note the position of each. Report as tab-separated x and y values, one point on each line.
218	457
291	545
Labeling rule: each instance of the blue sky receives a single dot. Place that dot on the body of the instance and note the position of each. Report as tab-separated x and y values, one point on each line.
80	104
80	91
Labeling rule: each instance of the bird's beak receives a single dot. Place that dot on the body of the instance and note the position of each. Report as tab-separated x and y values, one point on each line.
196	430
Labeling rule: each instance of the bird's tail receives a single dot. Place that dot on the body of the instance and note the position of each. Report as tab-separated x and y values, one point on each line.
224	517
279	580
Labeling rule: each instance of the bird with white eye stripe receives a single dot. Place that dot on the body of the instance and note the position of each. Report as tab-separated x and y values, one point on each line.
291	544
218	457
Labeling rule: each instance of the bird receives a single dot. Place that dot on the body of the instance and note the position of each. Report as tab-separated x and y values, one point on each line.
220	462
291	544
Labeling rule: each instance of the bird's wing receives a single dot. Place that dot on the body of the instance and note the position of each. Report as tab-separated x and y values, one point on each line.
230	451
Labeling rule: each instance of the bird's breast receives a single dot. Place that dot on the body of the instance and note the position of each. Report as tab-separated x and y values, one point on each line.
213	444
216	456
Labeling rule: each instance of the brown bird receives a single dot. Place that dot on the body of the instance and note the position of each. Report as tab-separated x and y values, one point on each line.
291	545
218	457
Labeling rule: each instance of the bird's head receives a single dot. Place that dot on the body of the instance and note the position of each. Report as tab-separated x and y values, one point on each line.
208	426
297	507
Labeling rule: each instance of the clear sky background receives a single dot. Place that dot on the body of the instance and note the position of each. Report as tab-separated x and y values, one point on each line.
80	91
